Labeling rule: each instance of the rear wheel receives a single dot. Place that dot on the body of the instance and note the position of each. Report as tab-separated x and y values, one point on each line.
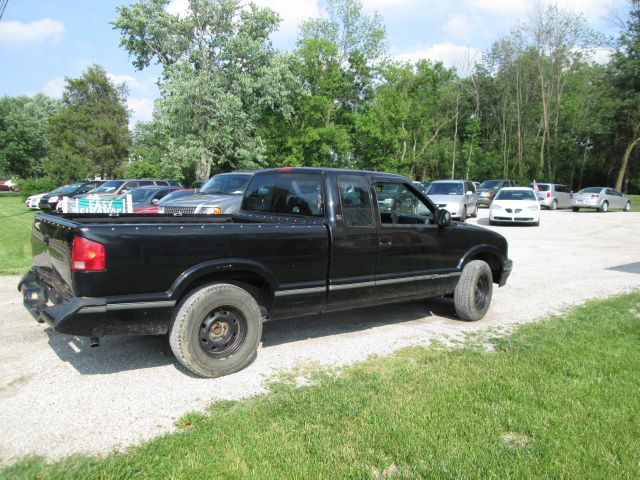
604	208
627	207
216	330
463	217
554	205
475	212
472	296
575	209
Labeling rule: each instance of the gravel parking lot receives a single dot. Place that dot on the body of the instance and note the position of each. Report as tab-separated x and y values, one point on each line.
58	396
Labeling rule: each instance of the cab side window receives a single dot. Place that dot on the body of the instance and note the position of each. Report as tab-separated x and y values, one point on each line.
285	194
355	200
399	205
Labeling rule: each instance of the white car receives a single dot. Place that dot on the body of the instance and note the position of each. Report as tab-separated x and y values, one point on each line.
515	205
33	201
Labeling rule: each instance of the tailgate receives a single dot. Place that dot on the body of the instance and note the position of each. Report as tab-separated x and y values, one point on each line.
51	242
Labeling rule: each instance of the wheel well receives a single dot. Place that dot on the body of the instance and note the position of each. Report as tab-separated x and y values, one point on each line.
253	283
493	261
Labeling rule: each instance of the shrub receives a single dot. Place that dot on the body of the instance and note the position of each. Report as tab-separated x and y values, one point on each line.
30	186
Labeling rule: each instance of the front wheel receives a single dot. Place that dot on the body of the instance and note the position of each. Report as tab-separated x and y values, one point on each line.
554	205
472	295
604	208
475	212
463	217
216	330
575	209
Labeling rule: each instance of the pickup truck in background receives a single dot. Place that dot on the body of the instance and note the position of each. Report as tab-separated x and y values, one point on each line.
306	241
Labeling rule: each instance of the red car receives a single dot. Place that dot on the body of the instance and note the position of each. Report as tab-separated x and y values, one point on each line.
183	192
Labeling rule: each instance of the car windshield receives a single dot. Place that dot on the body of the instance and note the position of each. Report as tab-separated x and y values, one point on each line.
591	190
490	184
67	188
445	188
176	194
516	195
140	194
109	187
226	184
542	187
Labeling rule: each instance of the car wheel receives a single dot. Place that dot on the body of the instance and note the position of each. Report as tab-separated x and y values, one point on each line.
475	211
575	209
604	208
463	216
492	222
554	205
472	295
537	224
627	207
216	330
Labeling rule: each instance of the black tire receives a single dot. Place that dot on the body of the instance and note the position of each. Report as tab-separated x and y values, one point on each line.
554	205
472	296
575	209
627	207
216	330
491	222
463	217
475	212
604	208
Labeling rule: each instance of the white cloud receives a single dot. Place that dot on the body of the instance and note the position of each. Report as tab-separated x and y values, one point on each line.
133	84
141	109
459	27
292	13
450	54
54	87
17	33
502	6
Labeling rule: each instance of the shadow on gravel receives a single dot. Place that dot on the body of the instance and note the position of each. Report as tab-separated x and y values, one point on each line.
125	353
628	268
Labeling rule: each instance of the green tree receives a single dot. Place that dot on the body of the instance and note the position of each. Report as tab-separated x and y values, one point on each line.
24	144
220	77
89	135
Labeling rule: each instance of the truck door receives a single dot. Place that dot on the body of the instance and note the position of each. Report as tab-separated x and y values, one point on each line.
354	246
415	257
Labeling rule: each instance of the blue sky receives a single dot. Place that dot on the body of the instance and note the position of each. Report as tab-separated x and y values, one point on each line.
42	41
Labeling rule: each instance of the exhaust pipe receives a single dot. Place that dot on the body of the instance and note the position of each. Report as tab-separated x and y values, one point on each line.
94	342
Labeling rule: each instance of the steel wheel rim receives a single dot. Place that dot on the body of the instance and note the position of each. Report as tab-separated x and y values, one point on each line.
481	292
222	332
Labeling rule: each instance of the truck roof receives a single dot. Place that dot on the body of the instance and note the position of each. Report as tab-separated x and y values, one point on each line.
336	171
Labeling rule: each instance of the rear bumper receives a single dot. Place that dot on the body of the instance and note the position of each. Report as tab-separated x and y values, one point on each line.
94	317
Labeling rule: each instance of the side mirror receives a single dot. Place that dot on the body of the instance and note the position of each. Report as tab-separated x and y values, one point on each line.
444	218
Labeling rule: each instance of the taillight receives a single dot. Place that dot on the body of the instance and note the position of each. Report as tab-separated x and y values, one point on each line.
548	194
87	255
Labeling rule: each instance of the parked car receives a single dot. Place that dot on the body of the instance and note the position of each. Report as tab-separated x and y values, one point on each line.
600	198
221	194
306	241
515	205
51	199
159	181
114	188
150	195
7	185
33	201
457	196
175	194
552	195
489	188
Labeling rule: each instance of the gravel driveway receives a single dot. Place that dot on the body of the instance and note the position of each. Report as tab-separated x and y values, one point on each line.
58	396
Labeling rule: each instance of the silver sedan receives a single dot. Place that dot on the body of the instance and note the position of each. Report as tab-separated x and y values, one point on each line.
600	198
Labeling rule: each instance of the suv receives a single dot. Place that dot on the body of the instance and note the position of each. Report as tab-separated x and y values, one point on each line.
488	189
114	188
552	195
457	196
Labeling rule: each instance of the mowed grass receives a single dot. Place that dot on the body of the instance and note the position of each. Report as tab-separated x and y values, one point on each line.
635	202
15	235
558	399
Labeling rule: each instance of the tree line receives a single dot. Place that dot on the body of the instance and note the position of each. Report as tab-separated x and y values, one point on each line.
534	106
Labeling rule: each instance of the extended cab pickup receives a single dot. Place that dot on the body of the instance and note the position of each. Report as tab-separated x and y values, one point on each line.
306	241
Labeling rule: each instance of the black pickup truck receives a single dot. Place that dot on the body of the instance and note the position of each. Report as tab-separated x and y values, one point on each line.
306	241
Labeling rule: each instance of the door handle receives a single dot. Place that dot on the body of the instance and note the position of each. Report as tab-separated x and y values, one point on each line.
385	242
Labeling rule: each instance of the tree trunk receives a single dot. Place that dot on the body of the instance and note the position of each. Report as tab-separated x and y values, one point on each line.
625	158
203	168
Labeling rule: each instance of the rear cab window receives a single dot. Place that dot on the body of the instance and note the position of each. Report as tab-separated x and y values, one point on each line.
280	193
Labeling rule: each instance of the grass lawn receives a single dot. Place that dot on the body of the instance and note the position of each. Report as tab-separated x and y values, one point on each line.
558	399
15	235
635	202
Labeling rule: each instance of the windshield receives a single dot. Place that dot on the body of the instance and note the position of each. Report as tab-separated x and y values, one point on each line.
445	188
109	187
516	195
591	190
227	184
490	184
140	194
